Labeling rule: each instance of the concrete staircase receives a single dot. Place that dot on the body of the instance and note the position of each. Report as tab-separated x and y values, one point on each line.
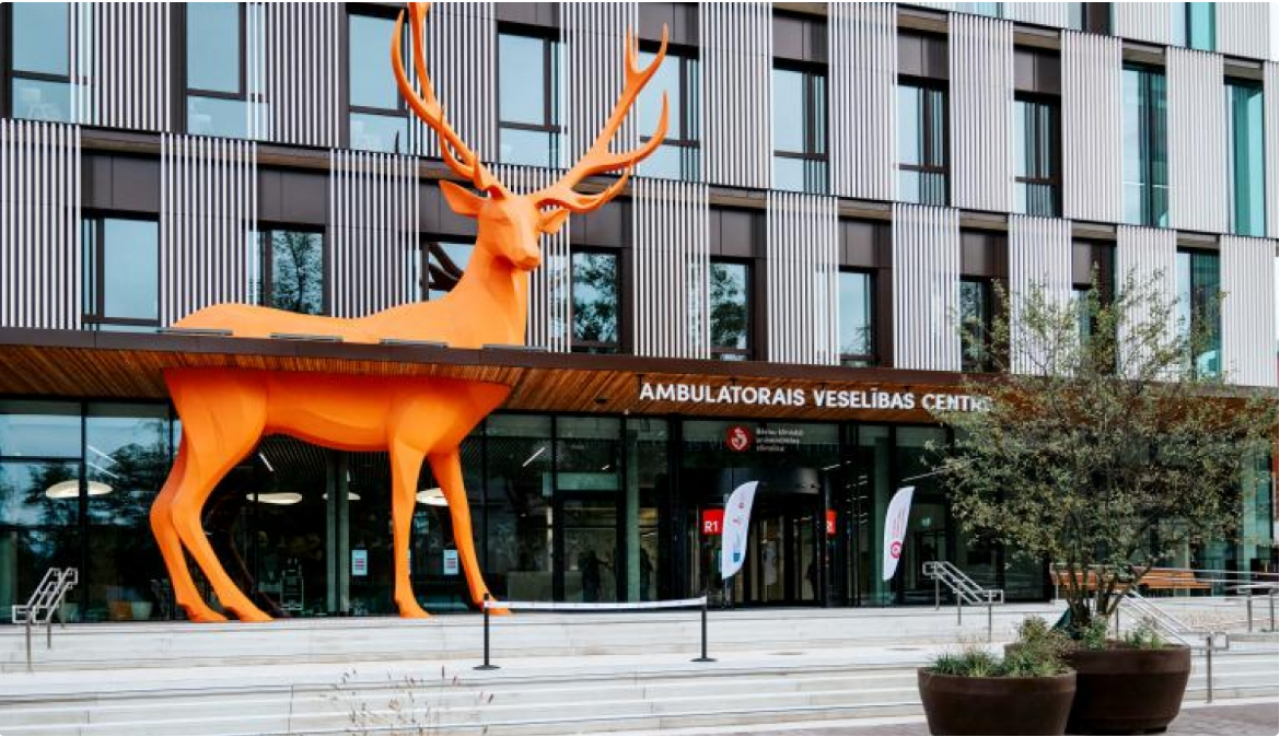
604	674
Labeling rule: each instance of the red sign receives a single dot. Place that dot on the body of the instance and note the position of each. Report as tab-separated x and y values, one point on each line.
831	523
712	521
738	438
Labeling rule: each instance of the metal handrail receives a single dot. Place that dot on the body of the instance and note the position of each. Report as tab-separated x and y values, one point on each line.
45	601
965	589
1207	641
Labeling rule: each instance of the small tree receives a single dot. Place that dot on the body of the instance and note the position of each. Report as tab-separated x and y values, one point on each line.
1107	446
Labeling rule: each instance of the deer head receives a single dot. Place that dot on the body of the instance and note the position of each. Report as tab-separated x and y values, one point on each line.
509	224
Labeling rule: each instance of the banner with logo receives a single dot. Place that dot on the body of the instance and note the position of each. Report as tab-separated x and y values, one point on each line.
733	535
895	529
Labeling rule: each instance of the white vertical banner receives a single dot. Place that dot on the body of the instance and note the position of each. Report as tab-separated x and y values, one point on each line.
737	519
895	528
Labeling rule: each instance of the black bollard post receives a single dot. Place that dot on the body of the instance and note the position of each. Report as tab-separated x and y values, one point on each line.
487	665
704	658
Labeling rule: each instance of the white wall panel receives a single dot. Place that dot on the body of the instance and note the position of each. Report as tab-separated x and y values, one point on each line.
1271	102
926	288
1147	256
595	41
300	73
671	264
208	212
1055	15
1143	21
1197	141
736	43
372	244
981	102
862	40
1244	29
1249	310
41	274
1091	127
122	54
1039	258
802	249
461	43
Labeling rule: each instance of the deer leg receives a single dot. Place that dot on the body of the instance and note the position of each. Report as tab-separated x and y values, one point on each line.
406	464
170	544
447	467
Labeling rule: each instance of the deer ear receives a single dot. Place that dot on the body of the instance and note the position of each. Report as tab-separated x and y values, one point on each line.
553	221
460	200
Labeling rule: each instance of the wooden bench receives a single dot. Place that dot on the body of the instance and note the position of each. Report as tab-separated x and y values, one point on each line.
1173	581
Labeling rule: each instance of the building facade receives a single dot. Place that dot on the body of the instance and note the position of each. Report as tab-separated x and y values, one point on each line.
778	295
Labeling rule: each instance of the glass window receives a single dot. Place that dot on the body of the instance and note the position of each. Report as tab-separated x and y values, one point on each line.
1090	17
857	319
519	488
217	95
596	302
677	157
1146	169
39	429
975	325
922	144
444	263
994	10
1199	289
39	526
378	120
1246	161
122	289
1035	157
528	100
41	61
799	130
588	479
648	490
293	271
730	307
1194	25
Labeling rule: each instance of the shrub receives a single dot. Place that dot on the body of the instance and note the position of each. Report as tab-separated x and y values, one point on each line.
1037	653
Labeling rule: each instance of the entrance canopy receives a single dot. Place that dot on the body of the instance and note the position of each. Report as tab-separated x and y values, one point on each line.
131	365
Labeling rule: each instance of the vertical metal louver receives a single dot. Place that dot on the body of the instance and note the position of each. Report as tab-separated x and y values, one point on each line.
300	75
981	51
1147	257
372	248
41	272
863	43
121	57
736	41
802	248
926	288
1244	29
595	40
1197	141
1054	15
549	285
1143	21
1091	127
1039	258
1249	311
208	215
671	237
1271	146
461	43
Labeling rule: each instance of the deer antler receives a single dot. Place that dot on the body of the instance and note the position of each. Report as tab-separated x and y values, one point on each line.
598	159
459	157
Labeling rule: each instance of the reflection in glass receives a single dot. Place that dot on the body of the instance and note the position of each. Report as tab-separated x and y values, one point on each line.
730	309
369	83
922	145
595	301
519	488
39	429
588	473
677	157
1146	176
1199	308
213	47
217	116
1034	158
35	99
446	263
41	38
297	276
1246	167
522	79
529	148
857	336
975	324
130	269
374	132
37	531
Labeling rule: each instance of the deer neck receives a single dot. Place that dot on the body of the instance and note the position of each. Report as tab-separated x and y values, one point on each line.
493	298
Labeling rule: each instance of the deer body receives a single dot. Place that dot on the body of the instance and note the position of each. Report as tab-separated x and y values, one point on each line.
225	412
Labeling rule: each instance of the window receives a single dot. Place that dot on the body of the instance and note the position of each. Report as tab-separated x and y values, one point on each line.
595	301
1199	286
730	307
677	157
1194	25
378	118
443	264
857	319
922	144
1146	170
41	59
293	273
1091	262
122	266
799	130
1036	144
217	95
975	325
528	100
1247	188
1090	17
994	10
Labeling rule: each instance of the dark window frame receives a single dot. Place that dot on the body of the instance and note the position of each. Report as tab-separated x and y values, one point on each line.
242	29
1054	180
266	263
928	122
402	109
749	291
593	346
811	154
12	73
873	358
94	314
551	119
684	139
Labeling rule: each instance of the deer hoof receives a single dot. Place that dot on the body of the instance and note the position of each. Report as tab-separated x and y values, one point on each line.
412	610
202	614
252	614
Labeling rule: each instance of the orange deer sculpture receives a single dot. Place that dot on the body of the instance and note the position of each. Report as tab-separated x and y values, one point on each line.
225	412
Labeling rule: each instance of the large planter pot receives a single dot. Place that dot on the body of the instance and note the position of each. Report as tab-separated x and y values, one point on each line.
962	705
1123	689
